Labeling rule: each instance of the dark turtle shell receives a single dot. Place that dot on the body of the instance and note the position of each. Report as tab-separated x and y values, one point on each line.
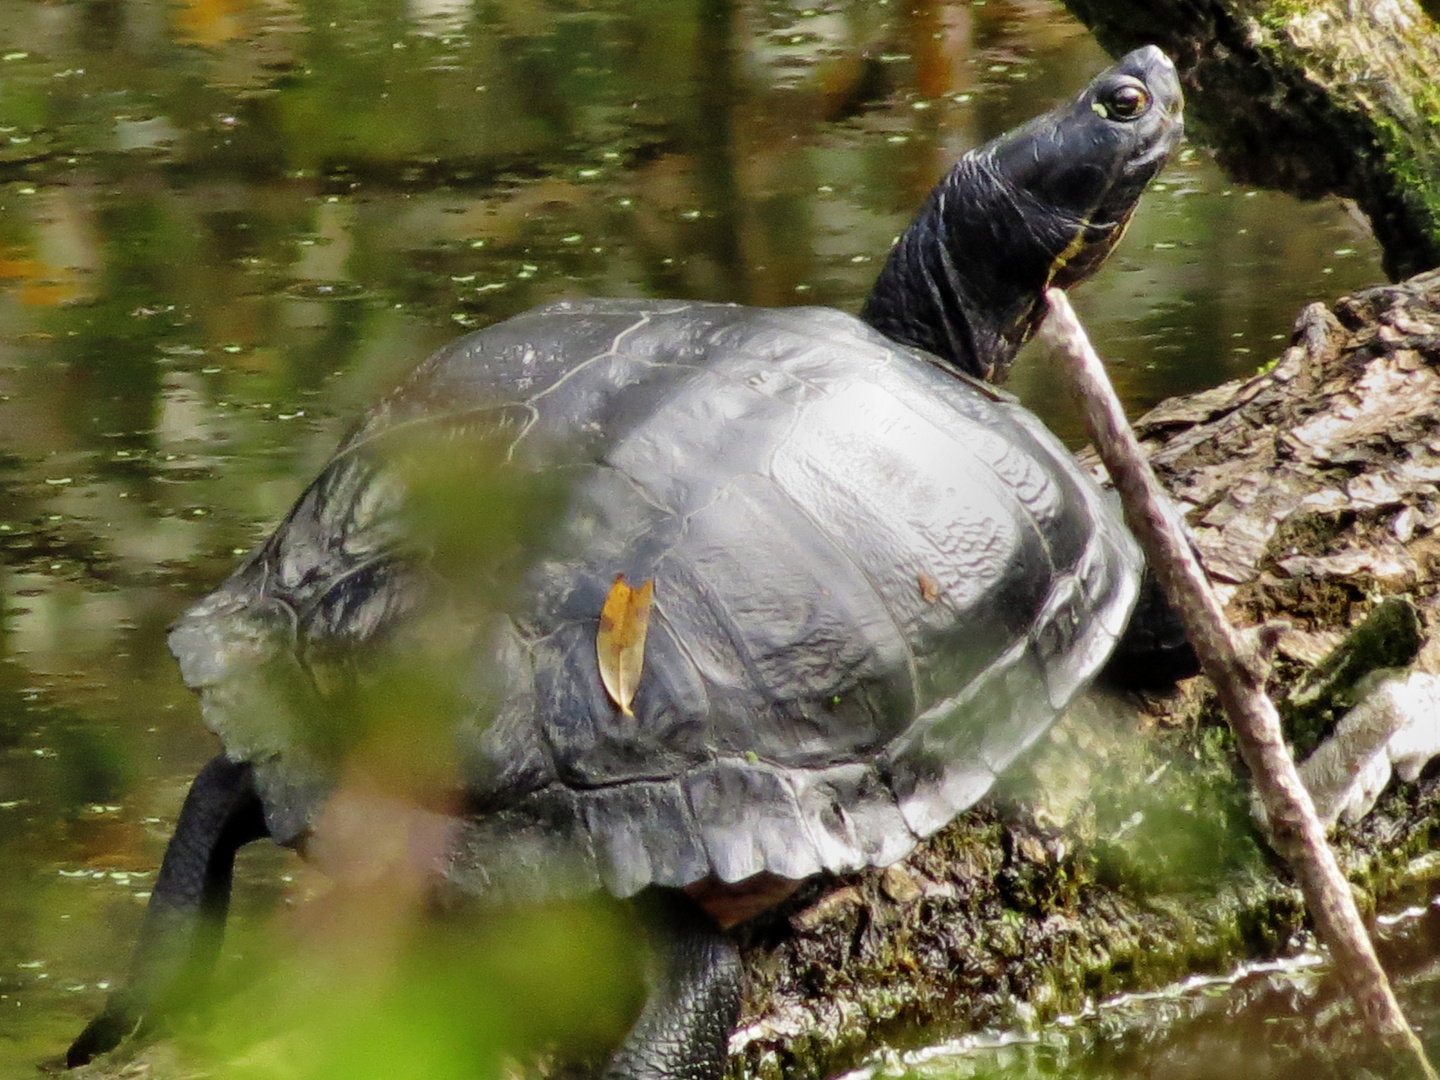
876	582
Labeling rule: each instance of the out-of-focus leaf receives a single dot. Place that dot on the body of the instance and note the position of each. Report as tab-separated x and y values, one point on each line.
620	643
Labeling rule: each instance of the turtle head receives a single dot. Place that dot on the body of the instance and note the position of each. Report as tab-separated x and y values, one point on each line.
1080	169
1041	205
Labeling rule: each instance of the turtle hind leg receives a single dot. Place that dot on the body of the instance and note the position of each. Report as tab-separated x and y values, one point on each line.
185	919
683	1032
1153	652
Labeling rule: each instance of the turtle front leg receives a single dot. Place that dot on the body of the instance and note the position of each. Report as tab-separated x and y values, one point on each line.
683	1032
1153	652
185	920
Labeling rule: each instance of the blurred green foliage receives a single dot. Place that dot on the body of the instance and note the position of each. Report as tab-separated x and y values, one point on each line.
377	992
1185	830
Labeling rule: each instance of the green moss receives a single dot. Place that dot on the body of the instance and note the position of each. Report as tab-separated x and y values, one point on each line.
1416	174
1277	15
1390	637
1399	126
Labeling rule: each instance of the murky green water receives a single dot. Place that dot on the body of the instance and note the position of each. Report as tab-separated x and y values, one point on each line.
224	225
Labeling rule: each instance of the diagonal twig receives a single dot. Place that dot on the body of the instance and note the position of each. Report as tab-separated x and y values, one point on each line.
1295	831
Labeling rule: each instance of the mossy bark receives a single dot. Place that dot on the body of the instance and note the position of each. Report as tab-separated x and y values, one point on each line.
1317	97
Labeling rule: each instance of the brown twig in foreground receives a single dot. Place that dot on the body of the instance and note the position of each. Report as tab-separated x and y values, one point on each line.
1295	830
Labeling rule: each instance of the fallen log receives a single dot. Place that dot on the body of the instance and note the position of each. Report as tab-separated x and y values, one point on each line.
1236	670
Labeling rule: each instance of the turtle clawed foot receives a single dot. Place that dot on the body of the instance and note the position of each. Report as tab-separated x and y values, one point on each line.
118	1021
683	1032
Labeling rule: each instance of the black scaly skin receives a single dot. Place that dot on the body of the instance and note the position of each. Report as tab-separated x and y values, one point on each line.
1041	205
185	918
1153	653
926	298
683	1032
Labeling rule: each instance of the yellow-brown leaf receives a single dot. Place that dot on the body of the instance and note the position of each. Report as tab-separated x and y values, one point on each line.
620	643
929	589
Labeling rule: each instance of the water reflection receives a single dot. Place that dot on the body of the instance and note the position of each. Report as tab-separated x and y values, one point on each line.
225	225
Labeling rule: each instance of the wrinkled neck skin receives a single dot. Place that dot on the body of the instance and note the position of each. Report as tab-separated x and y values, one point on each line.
966	280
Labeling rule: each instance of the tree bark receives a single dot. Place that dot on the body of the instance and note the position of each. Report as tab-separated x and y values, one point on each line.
1294	827
1322	97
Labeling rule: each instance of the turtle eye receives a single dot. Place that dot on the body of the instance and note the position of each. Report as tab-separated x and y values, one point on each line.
1126	101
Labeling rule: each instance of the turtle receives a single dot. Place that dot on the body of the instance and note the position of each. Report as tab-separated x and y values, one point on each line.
868	579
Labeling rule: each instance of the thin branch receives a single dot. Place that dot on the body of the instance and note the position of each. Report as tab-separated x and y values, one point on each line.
1295	831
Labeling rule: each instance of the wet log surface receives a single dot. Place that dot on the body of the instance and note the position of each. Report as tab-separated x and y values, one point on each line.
1327	97
1124	856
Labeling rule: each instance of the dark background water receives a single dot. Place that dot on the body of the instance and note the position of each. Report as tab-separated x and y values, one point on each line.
225	225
